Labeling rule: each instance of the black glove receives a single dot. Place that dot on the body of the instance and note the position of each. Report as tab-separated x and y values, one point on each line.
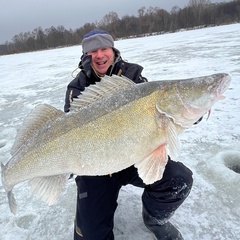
85	64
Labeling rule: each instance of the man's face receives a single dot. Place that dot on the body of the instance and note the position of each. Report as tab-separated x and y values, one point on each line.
102	59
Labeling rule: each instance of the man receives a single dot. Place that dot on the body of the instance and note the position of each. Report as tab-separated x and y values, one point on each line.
97	195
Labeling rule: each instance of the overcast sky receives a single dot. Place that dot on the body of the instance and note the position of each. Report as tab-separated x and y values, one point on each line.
18	16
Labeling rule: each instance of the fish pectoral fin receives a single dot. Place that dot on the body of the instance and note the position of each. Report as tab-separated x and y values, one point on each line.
48	188
152	167
169	128
173	142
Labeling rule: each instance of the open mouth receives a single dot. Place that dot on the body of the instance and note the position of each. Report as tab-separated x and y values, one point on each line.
101	63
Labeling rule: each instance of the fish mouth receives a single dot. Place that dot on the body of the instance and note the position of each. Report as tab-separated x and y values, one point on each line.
192	109
223	86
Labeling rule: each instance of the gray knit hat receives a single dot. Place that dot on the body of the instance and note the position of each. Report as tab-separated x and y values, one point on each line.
96	39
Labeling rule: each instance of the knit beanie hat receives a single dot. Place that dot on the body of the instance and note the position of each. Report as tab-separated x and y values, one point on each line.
96	39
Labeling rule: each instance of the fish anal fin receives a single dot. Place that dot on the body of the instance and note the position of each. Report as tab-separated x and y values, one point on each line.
38	117
152	167
48	188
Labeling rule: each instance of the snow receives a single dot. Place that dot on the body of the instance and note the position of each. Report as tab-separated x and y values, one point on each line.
210	149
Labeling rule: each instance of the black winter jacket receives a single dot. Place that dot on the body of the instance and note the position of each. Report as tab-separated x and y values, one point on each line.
87	76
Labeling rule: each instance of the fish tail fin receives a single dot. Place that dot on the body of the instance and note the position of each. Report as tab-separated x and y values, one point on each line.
11	199
48	188
12	202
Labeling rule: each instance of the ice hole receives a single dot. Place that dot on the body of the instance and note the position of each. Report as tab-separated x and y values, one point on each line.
232	161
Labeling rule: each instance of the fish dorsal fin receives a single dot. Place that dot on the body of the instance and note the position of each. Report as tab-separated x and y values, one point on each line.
106	87
41	114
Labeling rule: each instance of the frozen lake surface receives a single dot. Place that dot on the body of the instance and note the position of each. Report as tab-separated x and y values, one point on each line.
210	149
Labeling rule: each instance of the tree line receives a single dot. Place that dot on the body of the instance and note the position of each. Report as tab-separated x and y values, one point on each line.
152	20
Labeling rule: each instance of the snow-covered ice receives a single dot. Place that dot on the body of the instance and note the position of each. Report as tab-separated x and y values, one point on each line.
210	149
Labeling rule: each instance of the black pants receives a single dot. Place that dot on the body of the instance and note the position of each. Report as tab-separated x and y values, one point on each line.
97	198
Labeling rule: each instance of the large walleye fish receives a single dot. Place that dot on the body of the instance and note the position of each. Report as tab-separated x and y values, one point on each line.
111	126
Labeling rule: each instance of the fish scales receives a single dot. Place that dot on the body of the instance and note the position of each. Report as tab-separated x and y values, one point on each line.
121	125
131	125
94	140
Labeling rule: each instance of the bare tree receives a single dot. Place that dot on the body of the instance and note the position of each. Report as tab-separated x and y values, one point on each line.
198	7
110	22
198	12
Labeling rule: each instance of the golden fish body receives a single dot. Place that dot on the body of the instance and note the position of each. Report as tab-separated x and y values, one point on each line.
111	126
